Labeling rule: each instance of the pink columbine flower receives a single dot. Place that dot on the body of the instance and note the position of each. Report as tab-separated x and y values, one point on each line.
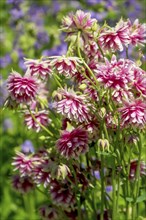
61	193
133	168
74	143
38	68
23	163
139	83
72	106
66	65
41	117
48	213
22	89
133	113
116	75
114	38
22	184
137	33
41	173
80	21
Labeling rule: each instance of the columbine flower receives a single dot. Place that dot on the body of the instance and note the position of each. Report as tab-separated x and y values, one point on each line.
114	38
23	163
80	21
41	172
61	193
21	89
137	33
66	65
41	117
133	168
133	113
48	213
74	143
72	106
116	75
22	184
139	83
39	68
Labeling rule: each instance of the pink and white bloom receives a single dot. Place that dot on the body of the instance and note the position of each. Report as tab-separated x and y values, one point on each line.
115	38
22	89
73	143
41	173
39	68
133	113
61	193
41	117
22	184
24	164
80	21
48	213
72	106
66	65
137	33
134	166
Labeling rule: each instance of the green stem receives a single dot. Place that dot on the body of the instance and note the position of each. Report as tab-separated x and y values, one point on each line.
88	68
137	180
57	81
102	188
114	213
42	126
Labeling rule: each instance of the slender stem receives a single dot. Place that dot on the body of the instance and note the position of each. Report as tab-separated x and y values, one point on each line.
42	126
137	180
102	188
114	213
85	64
57	81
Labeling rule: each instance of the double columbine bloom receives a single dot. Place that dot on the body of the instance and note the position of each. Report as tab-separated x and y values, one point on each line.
108	95
22	89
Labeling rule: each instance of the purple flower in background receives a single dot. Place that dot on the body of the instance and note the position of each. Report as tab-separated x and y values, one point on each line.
58	50
16	13
5	60
108	188
27	147
3	91
7	124
14	1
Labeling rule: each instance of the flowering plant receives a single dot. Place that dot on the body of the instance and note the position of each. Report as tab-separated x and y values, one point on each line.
88	107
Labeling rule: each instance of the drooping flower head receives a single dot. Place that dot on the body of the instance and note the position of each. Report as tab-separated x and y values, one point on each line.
72	106
24	164
137	33
66	65
115	38
27	147
117	75
41	172
134	166
74	143
39	68
21	89
48	212
133	113
22	184
61	193
80	21
41	117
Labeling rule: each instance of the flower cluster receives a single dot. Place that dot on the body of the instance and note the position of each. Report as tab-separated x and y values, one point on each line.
91	104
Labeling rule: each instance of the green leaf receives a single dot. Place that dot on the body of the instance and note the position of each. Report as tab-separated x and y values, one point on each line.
141	198
129	199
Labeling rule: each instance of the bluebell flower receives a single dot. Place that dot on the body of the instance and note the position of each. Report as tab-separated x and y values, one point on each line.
7	124
5	61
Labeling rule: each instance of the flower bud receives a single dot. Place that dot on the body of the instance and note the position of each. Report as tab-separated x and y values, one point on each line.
103	144
102	112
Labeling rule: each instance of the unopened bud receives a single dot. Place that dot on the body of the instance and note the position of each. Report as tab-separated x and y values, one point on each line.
103	144
102	112
83	86
62	171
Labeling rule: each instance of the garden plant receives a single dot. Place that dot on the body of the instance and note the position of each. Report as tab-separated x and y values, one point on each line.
88	108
